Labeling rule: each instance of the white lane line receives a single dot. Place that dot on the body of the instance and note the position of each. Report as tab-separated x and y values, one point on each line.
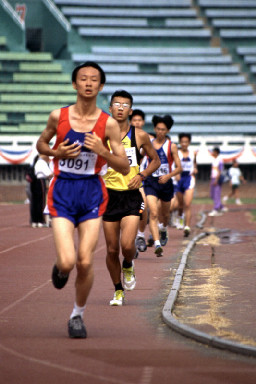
35	290
147	375
62	368
24	244
24	297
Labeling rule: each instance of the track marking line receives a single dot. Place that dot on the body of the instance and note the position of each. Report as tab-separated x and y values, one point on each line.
147	375
24	244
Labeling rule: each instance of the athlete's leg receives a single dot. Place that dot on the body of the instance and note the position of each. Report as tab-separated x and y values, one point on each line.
88	237
153	217
179	196
129	229
187	200
143	222
63	232
112	234
165	212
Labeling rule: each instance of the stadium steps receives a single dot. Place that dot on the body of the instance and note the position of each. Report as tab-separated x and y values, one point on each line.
3	43
31	86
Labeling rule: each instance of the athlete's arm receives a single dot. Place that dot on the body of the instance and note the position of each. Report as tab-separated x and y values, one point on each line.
177	170
117	159
195	171
142	138
64	151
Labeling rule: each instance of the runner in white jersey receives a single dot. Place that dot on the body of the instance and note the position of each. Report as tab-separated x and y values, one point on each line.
186	184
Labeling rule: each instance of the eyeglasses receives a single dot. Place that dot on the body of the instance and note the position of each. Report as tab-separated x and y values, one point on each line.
123	105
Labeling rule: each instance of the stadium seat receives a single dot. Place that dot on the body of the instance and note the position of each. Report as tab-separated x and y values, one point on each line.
22	56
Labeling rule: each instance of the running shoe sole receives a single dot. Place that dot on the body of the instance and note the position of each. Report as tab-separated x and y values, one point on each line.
59	280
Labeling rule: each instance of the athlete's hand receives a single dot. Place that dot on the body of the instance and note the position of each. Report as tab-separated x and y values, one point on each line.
163	179
135	182
65	151
94	143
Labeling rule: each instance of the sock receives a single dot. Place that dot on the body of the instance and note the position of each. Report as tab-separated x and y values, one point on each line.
160	226
77	311
141	234
127	264
156	243
163	228
119	287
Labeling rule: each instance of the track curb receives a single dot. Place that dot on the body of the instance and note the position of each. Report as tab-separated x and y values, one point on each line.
191	332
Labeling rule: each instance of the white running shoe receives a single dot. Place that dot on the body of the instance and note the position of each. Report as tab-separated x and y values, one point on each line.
129	278
225	198
224	209
180	223
239	202
215	213
187	231
118	298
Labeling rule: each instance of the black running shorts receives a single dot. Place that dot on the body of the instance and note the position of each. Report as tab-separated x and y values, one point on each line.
123	203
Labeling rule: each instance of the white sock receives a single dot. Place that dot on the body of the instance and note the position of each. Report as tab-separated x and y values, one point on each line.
141	234
156	243
77	311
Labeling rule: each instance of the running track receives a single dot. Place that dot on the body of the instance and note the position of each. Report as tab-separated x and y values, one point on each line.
126	345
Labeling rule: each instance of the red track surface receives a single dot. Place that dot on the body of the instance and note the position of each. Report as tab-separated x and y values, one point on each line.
125	345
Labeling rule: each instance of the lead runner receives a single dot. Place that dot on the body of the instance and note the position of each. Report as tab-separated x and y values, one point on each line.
77	195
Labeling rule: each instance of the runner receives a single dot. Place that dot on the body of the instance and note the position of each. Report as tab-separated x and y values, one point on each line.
137	119
159	185
77	195
216	184
121	219
186	184
236	177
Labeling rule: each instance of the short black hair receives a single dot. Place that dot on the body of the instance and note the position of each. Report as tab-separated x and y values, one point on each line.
216	149
137	112
122	93
188	135
167	120
89	64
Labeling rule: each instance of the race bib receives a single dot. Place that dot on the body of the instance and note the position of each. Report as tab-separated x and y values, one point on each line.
131	155
161	171
84	164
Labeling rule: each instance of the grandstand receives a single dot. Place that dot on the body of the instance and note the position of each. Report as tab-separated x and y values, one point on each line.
193	59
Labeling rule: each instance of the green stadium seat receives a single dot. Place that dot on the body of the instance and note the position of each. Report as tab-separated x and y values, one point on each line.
21	56
36	118
230	13
38	67
238	33
3	42
37	88
41	78
37	98
9	128
3	118
28	108
198	69
31	128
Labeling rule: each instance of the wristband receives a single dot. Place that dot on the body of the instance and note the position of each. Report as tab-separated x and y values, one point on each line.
142	176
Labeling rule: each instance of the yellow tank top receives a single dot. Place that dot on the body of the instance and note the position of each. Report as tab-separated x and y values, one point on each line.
117	181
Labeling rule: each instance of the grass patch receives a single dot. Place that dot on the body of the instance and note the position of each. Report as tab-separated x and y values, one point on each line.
253	213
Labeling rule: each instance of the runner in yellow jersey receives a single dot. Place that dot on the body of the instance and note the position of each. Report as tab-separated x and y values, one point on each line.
121	219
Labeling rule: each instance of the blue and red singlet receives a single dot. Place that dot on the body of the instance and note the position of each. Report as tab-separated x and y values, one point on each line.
77	191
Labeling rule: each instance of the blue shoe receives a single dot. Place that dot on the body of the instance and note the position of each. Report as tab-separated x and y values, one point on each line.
159	251
163	238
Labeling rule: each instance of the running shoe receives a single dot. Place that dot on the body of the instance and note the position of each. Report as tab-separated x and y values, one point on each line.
224	209
159	251
118	298
136	254
76	328
180	223
140	244
129	278
214	213
59	279
239	202
186	231
150	241
163	238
